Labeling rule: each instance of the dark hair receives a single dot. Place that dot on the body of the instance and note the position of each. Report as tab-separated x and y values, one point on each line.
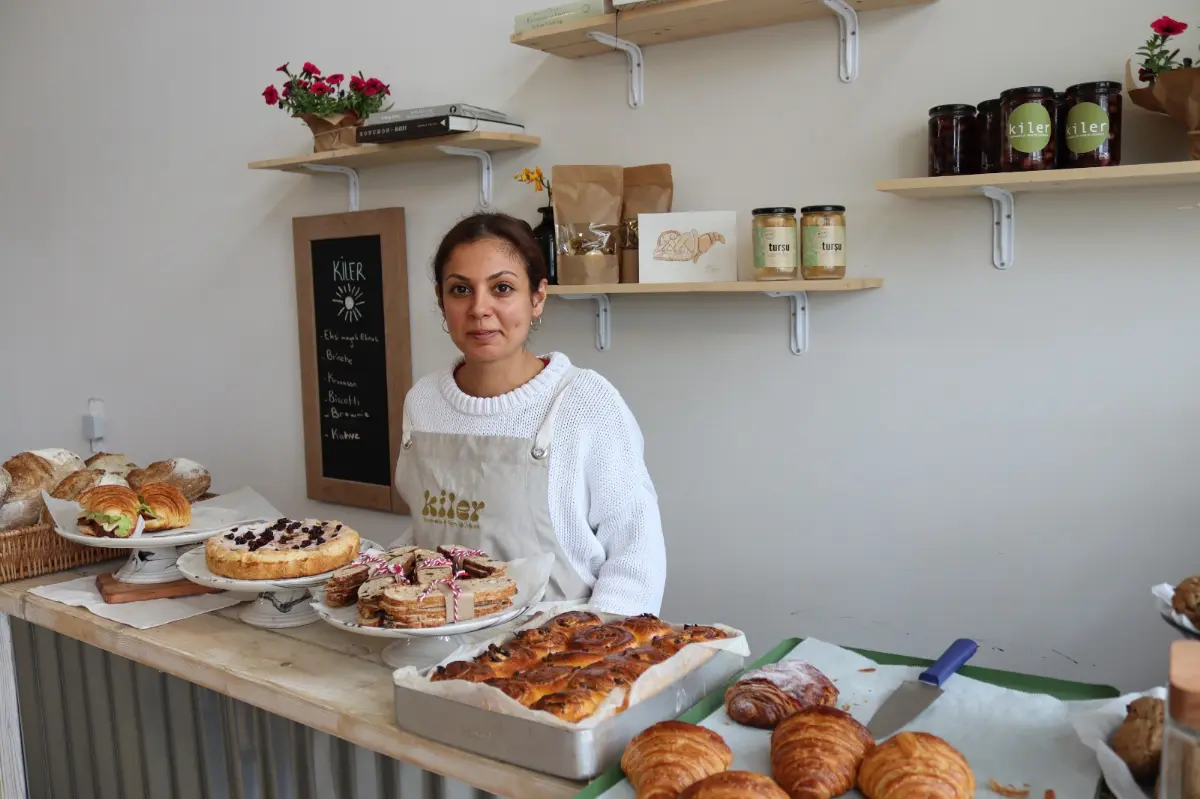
515	234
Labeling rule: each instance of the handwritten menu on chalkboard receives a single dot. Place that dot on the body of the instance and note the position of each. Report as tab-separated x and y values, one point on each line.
355	358
351	350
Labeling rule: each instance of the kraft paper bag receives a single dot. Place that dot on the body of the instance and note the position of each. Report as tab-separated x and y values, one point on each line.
649	189
587	216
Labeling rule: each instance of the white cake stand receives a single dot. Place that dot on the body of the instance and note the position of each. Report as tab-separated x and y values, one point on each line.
279	604
153	557
422	648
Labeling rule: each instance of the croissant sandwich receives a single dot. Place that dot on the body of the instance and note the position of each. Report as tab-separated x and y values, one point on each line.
108	511
664	760
164	507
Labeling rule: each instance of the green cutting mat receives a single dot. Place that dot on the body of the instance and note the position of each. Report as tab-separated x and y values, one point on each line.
1059	689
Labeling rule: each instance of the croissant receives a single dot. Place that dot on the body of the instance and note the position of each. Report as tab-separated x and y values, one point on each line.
574	619
815	754
571	705
664	760
766	696
607	638
110	511
164	507
735	785
916	764
576	660
463	670
646	627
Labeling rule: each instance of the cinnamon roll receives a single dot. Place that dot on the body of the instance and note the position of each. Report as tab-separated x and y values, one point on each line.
570	705
574	619
646	627
606	638
463	670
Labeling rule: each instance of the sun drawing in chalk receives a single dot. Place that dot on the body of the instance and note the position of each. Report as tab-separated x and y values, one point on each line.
349	298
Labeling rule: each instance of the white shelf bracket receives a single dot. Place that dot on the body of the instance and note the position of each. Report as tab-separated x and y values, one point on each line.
350	174
849	39
798	307
1004	225
637	65
603	317
485	169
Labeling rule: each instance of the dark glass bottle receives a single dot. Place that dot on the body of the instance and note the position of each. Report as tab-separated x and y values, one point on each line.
953	144
987	126
1027	129
1092	125
545	237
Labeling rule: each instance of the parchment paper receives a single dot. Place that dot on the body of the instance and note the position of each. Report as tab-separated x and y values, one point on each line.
238	507
656	678
1009	736
1164	593
1095	722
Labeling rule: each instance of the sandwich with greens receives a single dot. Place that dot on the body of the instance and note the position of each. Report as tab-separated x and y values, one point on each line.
109	511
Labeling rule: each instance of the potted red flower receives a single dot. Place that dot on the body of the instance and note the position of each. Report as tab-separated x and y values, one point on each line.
331	106
1173	84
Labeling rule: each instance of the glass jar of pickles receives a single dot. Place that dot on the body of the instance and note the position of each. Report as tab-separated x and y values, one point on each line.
823	242
775	243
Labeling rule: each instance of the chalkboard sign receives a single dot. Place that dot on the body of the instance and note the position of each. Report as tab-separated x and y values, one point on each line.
356	368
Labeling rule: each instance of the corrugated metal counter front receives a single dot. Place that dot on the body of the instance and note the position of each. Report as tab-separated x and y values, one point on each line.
97	725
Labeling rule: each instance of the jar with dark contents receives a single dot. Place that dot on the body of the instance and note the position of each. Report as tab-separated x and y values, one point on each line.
1092	125
953	144
1060	120
988	132
1027	129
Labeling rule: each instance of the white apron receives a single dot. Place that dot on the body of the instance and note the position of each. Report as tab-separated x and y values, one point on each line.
488	492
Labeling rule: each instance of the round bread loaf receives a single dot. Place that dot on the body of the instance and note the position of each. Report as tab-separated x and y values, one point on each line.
29	475
73	485
111	463
5	483
63	461
192	479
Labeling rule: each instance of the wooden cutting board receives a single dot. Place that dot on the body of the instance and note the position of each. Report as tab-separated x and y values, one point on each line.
118	593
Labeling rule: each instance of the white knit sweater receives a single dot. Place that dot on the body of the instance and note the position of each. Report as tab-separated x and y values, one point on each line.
602	502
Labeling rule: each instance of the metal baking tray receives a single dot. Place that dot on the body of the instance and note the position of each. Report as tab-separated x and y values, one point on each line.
572	754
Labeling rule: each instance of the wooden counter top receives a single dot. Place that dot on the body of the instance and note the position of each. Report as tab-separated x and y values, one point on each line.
327	679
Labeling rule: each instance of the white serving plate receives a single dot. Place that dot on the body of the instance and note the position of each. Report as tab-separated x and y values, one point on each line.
167	538
346	619
194	567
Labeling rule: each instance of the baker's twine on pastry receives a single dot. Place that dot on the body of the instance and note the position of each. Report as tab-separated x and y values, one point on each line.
450	581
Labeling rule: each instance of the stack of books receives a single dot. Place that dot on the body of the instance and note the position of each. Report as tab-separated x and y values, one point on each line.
430	121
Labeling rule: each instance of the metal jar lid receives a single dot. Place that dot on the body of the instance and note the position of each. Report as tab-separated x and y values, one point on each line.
954	109
780	211
823	209
1096	87
1035	90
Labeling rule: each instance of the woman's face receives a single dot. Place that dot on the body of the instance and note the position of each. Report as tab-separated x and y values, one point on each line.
487	302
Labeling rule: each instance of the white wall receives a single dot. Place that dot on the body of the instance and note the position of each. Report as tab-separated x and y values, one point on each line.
1009	456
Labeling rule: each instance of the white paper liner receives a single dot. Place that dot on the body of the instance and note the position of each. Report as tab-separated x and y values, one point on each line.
1164	593
531	575
239	507
1009	736
1095	722
654	680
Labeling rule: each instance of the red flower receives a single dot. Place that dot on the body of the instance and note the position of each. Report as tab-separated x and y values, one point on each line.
311	69
1165	26
271	95
356	83
321	87
377	86
335	79
283	68
1146	75
287	89
370	91
303	84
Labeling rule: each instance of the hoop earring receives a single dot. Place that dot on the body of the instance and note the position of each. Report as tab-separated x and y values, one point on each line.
444	327
536	323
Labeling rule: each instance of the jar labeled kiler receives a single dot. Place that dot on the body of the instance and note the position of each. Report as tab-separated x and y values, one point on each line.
775	243
987	128
1092	125
1027	140
823	242
953	143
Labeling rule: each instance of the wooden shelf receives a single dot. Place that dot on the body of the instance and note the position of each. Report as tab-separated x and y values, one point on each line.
418	150
795	290
741	287
681	20
1116	177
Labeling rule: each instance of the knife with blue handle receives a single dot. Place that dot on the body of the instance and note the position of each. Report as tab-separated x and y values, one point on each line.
911	698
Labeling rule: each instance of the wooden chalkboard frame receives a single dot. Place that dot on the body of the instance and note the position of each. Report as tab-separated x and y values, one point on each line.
388	224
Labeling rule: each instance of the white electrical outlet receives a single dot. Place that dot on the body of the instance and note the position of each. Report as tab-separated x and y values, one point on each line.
93	423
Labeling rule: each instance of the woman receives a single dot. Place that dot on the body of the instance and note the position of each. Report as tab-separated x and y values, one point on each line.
517	454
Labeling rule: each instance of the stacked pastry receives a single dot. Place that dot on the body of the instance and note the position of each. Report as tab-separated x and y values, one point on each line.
64	475
568	666
410	587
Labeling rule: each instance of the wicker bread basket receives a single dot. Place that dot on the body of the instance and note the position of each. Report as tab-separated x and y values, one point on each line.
36	550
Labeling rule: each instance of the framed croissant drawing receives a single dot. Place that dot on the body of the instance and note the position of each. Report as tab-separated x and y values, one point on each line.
688	247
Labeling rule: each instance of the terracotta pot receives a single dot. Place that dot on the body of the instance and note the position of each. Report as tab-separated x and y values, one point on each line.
334	132
1175	94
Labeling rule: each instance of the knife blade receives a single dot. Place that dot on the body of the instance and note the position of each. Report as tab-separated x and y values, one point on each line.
913	697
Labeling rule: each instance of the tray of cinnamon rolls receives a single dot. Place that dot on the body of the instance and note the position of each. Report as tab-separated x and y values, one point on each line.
566	693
